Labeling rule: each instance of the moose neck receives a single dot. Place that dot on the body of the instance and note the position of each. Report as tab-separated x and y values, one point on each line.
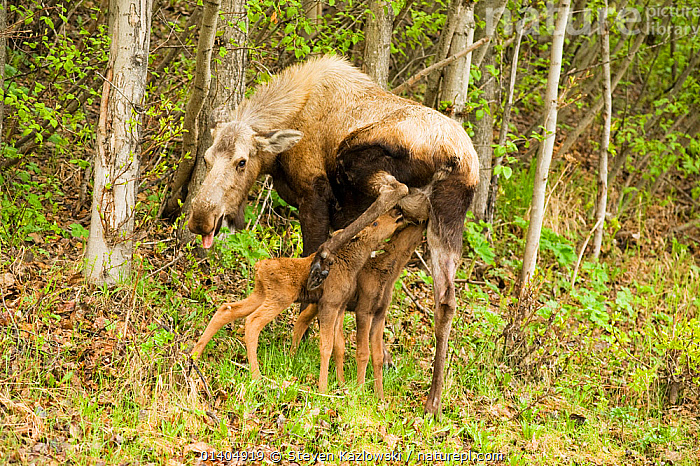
276	104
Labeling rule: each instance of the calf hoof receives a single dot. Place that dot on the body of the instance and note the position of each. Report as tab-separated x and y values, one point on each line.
432	408
388	360
318	273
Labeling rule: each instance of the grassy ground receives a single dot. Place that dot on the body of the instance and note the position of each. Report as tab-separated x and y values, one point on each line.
566	376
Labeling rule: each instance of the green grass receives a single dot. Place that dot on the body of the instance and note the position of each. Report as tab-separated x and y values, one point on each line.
563	377
88	393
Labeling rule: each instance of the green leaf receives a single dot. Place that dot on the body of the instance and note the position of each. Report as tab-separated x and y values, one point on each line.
79	231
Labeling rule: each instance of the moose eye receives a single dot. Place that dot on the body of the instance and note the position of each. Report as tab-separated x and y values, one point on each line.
375	224
241	164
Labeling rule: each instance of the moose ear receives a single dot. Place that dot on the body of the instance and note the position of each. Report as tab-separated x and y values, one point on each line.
275	142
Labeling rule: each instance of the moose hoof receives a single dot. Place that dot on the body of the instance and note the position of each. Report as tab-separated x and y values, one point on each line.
318	273
388	360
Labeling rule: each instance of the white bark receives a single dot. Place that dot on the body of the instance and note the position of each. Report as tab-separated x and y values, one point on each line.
378	41
110	245
545	156
455	11
456	81
604	143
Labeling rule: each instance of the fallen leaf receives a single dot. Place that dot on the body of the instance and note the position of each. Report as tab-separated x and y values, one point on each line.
391	440
7	279
198	447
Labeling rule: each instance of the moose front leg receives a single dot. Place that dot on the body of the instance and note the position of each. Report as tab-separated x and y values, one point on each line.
388	191
314	218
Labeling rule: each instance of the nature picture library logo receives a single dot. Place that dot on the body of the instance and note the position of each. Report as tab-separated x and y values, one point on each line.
654	20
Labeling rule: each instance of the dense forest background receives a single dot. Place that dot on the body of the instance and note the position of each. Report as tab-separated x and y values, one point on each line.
592	357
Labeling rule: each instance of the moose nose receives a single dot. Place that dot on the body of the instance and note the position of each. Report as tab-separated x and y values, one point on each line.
201	223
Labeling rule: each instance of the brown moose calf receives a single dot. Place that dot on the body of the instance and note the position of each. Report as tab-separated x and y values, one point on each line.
375	285
282	282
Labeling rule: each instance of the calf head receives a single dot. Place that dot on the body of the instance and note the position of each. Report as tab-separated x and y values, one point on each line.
382	228
234	161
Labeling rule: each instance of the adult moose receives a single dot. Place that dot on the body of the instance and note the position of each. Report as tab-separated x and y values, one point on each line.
344	151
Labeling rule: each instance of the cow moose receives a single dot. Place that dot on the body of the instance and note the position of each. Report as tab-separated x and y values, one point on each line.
344	151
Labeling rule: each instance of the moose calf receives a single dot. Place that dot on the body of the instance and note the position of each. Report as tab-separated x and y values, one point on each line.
375	285
281	282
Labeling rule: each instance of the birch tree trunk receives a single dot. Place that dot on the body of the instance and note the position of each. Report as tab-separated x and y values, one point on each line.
488	14
456	80
602	200
503	133
313	9
378	41
226	91
110	245
455	11
200	90
483	137
545	156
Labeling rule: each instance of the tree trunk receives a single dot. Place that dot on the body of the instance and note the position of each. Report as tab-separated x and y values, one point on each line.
226	92
602	201
483	138
313	9
454	11
378	41
200	90
545	156
503	134
110	245
456	80
488	13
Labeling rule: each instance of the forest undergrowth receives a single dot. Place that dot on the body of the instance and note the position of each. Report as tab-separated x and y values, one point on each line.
602	372
595	363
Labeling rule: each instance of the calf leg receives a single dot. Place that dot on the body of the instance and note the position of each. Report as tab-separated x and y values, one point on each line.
254	324
363	319
377	339
388	191
302	324
327	334
339	347
226	313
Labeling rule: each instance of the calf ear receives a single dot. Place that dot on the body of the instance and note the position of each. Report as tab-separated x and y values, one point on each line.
275	142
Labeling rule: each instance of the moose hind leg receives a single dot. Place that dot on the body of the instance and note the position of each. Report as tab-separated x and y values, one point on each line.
305	318
227	312
445	228
255	322
443	270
